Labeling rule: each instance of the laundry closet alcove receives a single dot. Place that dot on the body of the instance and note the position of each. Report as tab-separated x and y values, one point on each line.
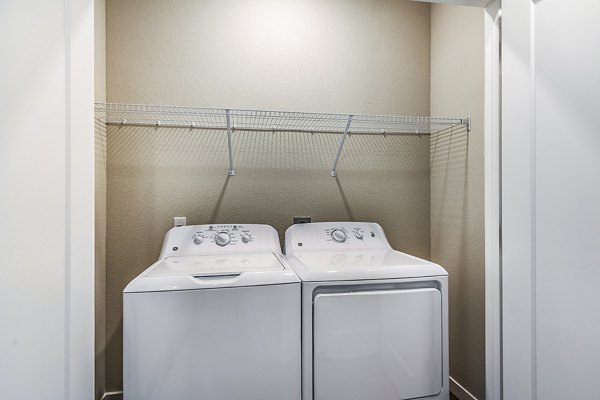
312	67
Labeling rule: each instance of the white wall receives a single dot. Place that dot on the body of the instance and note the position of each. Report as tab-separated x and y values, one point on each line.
551	218
46	201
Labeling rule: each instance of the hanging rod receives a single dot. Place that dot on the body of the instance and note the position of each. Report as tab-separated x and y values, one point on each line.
232	120
160	124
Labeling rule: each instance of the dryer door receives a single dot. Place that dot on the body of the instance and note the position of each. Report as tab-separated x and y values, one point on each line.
384	345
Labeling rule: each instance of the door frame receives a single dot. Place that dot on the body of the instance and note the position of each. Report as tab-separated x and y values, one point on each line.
492	199
493	190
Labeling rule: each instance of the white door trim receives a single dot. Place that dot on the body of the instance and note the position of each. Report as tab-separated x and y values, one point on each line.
79	195
518	196
492	157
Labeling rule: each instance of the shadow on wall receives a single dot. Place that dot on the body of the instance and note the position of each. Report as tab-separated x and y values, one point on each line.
215	213
100	132
155	174
456	241
344	200
158	169
449	170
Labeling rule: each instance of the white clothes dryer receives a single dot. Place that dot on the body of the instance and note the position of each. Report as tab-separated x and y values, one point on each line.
217	317
374	320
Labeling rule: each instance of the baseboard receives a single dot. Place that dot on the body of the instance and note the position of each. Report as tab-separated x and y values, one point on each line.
459	391
113	395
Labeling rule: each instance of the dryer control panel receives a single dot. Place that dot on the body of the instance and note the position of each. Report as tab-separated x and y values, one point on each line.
220	239
335	235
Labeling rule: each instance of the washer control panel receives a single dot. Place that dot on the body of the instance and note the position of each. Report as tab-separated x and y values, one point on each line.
222	235
333	235
220	238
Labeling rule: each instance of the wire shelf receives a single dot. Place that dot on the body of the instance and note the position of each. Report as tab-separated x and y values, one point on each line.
280	121
232	120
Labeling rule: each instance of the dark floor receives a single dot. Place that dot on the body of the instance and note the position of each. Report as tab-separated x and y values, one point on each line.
453	397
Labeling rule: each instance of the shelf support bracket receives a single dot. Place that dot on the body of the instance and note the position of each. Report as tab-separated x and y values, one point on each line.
228	120
341	146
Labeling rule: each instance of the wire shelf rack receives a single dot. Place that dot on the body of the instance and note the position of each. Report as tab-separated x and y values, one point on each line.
232	120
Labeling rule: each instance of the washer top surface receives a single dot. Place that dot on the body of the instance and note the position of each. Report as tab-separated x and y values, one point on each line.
216	256
215	265
339	251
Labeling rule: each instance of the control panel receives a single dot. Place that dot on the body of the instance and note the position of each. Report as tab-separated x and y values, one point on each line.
344	235
220	239
335	235
222	235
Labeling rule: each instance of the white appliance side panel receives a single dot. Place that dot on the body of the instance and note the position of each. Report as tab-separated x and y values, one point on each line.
217	344
384	345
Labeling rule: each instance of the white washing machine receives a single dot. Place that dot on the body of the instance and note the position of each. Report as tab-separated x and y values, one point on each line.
375	320
217	317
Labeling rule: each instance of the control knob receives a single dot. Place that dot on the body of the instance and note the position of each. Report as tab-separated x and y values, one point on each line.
222	239
246	237
359	234
339	236
198	239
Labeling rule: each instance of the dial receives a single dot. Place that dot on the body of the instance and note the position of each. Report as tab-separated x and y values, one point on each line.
359	234
198	239
246	237
338	235
222	239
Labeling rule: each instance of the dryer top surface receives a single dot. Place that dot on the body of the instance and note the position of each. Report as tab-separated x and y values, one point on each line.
336	251
313	266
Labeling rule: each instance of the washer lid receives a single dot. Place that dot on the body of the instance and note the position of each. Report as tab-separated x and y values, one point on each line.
360	264
213	271
216	265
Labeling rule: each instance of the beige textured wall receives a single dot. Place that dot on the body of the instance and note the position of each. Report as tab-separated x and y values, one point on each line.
100	197
457	186
367	56
301	55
